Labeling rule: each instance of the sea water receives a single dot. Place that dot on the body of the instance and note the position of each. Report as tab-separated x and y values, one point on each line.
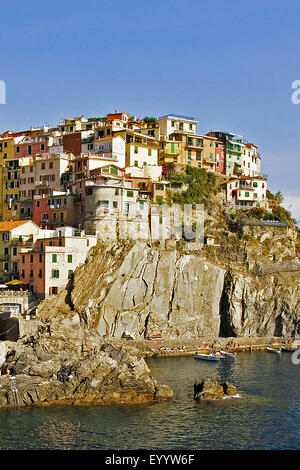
264	415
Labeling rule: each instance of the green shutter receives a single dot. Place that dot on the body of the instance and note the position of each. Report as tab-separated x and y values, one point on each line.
172	148
69	258
54	258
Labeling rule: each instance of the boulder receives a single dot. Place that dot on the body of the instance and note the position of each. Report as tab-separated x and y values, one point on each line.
210	389
229	389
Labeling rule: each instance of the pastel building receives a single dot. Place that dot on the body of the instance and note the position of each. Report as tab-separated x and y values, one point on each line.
220	157
141	150
176	123
14	235
234	151
251	160
247	192
48	265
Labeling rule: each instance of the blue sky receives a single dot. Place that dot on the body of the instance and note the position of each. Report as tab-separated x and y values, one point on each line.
228	63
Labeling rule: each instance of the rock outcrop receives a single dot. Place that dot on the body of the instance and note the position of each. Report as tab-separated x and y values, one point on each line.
66	364
137	288
210	389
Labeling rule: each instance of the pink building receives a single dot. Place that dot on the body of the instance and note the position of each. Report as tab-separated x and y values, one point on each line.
49	264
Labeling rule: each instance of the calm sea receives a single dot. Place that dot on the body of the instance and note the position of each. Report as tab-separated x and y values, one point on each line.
266	416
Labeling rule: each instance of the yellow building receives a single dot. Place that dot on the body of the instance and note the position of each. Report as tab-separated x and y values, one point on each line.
209	153
9	178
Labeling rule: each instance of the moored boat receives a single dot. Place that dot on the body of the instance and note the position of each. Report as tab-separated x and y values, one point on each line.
208	357
273	350
228	354
291	350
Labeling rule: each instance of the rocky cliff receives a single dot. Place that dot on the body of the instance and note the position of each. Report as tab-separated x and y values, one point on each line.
247	285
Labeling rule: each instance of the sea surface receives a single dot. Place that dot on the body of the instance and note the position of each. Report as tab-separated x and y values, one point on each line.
266	415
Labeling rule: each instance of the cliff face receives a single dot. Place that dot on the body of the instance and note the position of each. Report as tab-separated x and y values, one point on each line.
137	288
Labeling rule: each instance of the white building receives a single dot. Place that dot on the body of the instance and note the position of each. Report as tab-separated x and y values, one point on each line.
251	160
176	123
247	192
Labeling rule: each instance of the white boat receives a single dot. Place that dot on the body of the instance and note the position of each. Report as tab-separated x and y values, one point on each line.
273	350
228	354
208	357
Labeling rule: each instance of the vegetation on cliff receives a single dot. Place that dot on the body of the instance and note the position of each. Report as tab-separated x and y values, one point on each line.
199	186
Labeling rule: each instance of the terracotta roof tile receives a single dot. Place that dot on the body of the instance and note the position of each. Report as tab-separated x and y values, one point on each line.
10	225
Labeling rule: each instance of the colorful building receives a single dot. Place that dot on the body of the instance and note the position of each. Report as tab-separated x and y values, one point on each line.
247	192
49	264
14	235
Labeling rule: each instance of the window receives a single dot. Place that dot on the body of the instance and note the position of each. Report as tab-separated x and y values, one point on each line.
55	273
54	258
15	251
181	126
29	150
173	123
255	195
117	192
189	154
31	273
149	152
198	155
18	149
70	273
247	194
42	146
172	148
142	205
40	273
136	163
23	259
115	204
255	184
135	149
40	258
50	165
31	259
70	257
43	166
129	193
191	127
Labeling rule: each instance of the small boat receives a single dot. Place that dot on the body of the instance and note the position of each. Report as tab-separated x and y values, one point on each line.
228	354
273	350
208	357
291	350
